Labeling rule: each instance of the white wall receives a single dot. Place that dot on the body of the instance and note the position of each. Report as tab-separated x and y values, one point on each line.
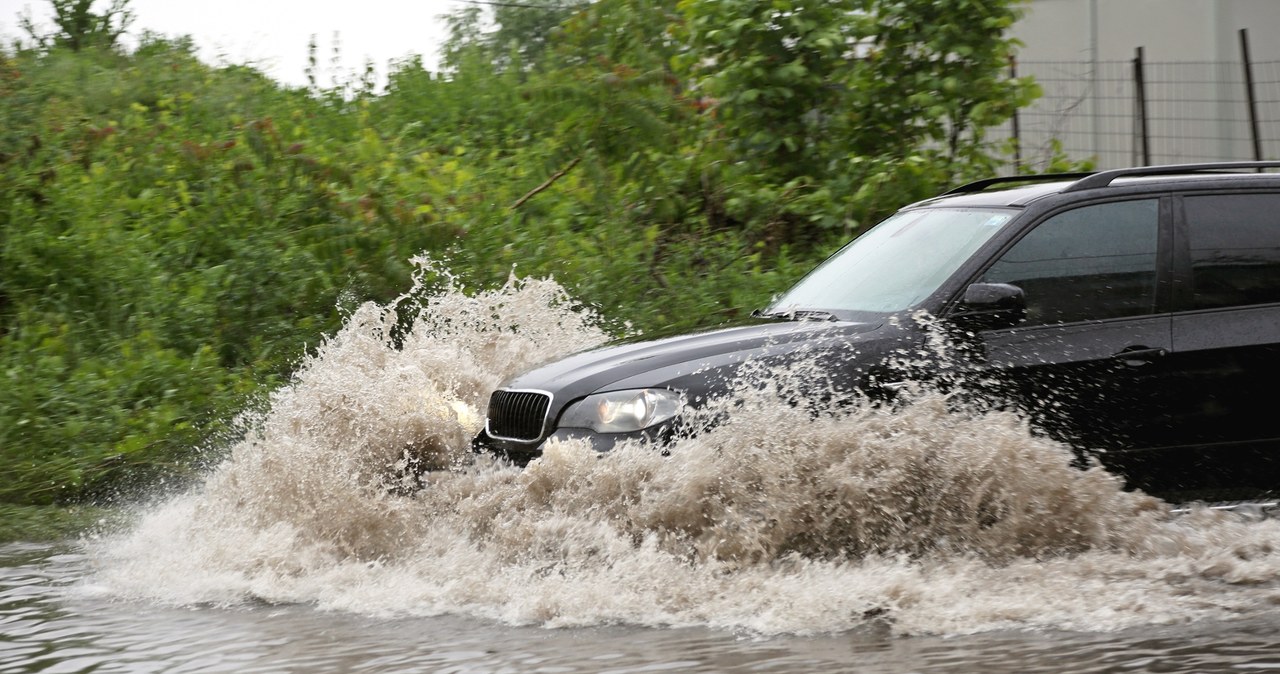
1080	50
1169	30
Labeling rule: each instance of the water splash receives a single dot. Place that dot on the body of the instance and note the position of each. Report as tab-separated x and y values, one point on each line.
357	491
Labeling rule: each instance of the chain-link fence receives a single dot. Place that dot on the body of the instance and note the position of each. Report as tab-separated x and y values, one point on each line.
1131	113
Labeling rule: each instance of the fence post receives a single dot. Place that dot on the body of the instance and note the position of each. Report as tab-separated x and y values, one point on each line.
1250	95
1142	146
1017	139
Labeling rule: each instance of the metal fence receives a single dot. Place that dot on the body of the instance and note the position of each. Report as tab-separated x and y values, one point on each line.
1132	113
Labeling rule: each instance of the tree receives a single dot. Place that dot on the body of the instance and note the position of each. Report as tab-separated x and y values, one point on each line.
786	118
777	69
519	37
936	72
804	82
525	31
79	27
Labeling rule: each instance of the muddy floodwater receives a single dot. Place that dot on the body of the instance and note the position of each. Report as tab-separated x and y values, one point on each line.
52	620
350	528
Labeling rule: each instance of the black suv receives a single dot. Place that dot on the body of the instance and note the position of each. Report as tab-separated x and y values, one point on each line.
1133	310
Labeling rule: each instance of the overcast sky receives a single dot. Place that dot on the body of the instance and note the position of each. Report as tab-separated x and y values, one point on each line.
273	34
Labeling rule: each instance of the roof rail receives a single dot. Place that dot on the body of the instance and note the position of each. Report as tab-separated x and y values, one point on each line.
980	185
1104	178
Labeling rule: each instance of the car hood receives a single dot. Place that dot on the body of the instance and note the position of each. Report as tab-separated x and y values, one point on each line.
693	362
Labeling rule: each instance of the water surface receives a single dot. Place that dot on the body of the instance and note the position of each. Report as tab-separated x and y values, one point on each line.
51	620
351	529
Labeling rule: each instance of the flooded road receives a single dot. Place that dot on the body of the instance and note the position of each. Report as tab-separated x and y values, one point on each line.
52	619
351	529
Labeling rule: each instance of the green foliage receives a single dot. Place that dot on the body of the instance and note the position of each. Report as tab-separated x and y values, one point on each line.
49	523
525	31
79	27
936	72
777	71
173	235
845	109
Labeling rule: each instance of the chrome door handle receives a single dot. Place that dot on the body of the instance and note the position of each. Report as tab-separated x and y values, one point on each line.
1136	356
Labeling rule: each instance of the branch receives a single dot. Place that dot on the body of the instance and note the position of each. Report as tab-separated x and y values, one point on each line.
549	182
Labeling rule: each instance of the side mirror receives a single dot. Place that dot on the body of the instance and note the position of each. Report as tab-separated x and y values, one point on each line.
987	306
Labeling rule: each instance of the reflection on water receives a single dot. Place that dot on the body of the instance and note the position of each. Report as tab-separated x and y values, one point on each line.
52	620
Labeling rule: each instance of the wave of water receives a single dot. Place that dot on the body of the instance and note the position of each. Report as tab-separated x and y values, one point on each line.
357	491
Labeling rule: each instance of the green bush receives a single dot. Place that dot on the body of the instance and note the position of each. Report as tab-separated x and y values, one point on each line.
173	235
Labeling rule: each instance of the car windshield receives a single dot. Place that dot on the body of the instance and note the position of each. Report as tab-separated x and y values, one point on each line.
895	265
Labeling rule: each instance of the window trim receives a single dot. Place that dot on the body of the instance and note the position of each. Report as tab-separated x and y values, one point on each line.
1183	300
1164	252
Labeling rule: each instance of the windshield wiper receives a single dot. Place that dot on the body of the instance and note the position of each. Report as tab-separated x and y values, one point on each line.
796	315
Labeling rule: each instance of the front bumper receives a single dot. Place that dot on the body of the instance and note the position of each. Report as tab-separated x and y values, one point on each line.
521	453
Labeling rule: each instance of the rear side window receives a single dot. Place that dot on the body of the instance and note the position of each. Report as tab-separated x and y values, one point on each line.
1235	249
1091	263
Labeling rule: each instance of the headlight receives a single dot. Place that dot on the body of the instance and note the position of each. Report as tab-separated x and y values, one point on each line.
623	411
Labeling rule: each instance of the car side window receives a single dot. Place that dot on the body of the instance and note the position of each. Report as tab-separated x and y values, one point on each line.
1235	249
1090	263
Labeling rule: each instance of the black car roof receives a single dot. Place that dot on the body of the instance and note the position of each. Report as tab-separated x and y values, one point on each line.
1015	191
1003	197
